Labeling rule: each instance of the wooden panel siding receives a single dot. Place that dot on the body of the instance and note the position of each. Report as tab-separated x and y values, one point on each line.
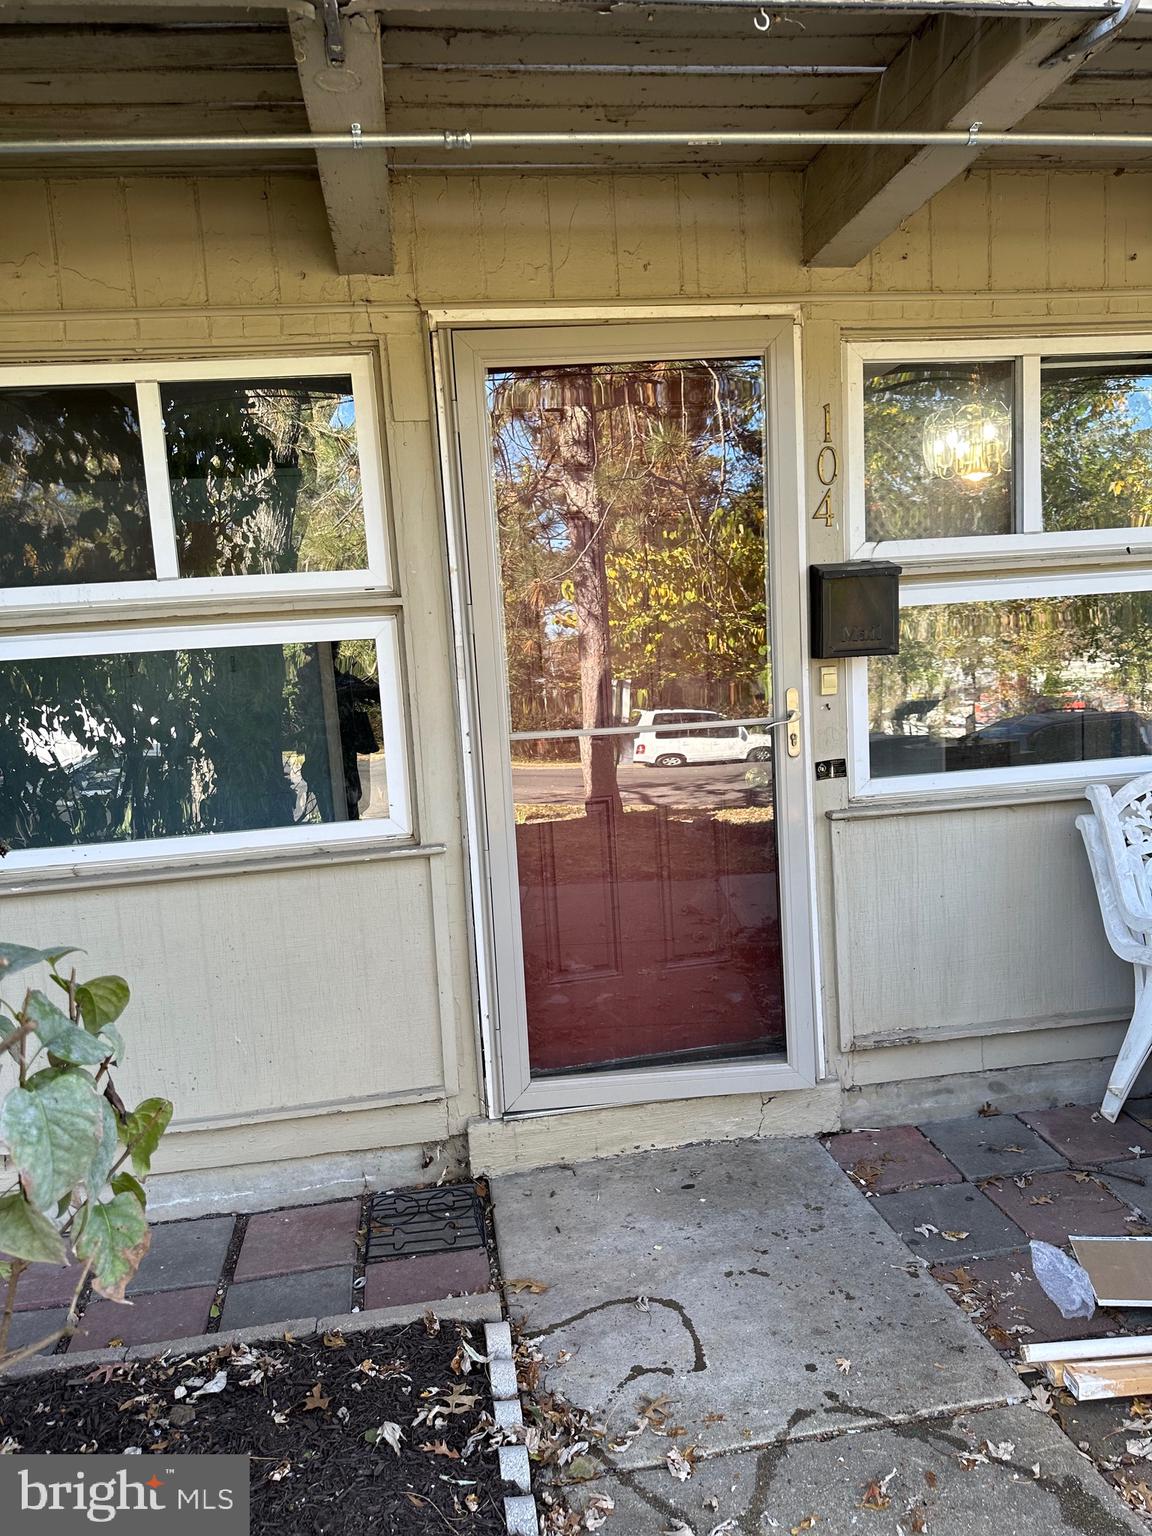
262	240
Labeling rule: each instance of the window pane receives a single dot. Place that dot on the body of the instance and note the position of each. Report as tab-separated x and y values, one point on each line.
98	749
1096	445
265	476
938	450
630	504
72	500
1014	684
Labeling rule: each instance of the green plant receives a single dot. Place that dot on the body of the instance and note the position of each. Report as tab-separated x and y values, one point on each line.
77	1153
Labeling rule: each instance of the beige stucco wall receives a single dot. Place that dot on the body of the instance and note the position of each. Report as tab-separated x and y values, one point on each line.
331	1009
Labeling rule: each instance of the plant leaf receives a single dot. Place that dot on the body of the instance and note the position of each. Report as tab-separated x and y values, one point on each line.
18	957
146	1124
102	1000
49	1020
26	1233
113	1238
79	1048
53	1130
124	1182
106	1153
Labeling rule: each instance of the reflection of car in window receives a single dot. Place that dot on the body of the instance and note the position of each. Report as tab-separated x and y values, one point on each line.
672	747
1043	736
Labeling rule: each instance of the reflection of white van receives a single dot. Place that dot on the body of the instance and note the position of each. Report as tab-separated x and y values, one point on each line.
660	744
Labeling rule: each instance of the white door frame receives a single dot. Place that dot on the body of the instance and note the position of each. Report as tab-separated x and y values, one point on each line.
466	358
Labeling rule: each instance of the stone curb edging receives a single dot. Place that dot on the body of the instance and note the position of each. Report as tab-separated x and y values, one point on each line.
483	1308
519	1509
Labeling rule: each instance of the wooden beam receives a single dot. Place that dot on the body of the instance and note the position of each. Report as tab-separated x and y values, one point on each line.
956	71
336	95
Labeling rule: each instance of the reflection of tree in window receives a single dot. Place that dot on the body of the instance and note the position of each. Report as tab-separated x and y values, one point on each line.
72	498
265	476
1096	445
173	743
631	517
994	682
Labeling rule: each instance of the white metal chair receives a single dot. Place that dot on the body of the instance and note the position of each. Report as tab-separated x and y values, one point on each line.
1118	838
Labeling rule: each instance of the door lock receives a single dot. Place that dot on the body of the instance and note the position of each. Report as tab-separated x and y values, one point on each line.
792	705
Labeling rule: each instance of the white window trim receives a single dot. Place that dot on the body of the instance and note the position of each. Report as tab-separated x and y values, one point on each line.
1009	549
101	642
987	588
377	576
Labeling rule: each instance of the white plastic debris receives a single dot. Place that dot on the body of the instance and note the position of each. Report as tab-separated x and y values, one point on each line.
1063	1281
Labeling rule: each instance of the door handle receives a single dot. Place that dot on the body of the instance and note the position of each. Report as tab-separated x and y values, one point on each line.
792	705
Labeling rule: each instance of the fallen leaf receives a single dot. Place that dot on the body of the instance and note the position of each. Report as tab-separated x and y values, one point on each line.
919	1519
439	1448
987	1110
953	1237
391	1434
1040	1200
805	1525
459	1401
280	1471
217	1384
679	1464
317	1399
876	1495
598	1510
926	1229
431	1323
533	1287
843	1365
334	1340
930	1478
678	1528
999	1450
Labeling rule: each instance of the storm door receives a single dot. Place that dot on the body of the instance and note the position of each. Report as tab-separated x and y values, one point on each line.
637	685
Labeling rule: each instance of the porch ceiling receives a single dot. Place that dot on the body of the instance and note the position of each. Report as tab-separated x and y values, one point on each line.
178	67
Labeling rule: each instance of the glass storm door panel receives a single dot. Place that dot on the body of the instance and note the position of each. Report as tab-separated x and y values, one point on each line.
630	522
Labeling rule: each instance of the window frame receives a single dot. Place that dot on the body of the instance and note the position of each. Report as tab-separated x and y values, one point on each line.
378	574
383	630
989	567
1031	543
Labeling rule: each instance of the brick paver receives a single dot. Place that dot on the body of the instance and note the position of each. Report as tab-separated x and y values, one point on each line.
426	1277
981	1146
1131	1182
1053	1206
975	1225
303	1238
894	1158
47	1285
1085	1138
149	1320
1004	1298
29	1327
184	1254
316	1293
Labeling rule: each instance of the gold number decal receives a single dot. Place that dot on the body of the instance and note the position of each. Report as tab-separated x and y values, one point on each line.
827	471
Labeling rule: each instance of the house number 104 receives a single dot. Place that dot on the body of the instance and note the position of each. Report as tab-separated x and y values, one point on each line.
827	468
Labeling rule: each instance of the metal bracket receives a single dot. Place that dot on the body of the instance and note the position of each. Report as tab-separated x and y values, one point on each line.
457	140
973	130
334	50
357	136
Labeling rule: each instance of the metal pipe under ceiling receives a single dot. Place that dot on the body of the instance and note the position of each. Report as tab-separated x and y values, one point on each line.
459	141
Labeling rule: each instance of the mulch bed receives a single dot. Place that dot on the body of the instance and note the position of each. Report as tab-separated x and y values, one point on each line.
318	1416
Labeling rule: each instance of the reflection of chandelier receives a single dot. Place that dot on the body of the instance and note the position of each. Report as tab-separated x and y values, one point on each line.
968	444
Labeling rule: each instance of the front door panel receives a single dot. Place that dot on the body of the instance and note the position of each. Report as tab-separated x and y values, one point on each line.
627	554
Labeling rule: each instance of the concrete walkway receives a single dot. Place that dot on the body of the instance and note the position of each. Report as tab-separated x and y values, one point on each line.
752	1285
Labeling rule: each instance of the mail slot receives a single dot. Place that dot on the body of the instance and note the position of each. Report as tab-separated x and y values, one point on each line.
855	609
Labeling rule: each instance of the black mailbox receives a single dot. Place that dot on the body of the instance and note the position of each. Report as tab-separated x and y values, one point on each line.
855	609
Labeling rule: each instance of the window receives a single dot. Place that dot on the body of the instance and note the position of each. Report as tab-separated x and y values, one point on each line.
263	728
245	476
981	466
